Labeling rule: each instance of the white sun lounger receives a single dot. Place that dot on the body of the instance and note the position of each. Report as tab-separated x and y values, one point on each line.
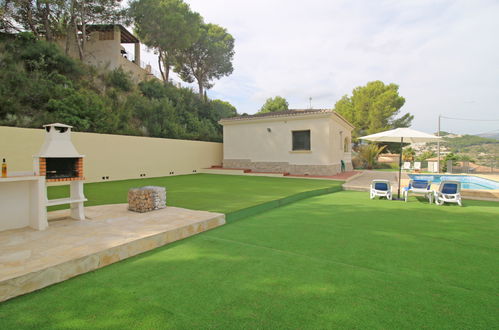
448	192
419	187
381	188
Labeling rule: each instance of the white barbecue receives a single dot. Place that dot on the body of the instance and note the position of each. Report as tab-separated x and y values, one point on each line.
59	161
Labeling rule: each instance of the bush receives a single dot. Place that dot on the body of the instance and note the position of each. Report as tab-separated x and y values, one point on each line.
39	84
38	55
119	79
368	155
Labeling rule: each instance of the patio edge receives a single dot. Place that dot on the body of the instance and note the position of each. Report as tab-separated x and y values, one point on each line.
34	281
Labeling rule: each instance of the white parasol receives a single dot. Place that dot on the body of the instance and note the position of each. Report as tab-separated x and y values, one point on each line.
401	135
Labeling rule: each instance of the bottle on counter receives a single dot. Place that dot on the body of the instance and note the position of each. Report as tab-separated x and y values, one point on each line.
4	169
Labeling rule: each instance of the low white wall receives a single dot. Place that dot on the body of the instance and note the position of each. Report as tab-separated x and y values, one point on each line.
22	203
116	156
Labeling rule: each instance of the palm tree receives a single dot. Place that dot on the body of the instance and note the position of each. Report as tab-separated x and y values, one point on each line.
369	153
408	154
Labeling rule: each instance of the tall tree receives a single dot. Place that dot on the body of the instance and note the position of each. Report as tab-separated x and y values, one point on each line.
167	26
35	16
277	103
209	57
85	12
373	108
222	109
54	18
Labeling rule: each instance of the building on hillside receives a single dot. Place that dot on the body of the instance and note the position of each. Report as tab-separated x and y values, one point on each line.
389	158
419	147
302	142
104	49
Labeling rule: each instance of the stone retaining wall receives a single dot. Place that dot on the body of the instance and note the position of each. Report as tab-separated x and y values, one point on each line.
284	167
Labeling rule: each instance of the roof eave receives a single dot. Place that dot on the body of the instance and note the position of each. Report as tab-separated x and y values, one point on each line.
343	119
275	118
287	117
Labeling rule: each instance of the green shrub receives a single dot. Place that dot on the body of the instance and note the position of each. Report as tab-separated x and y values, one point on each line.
368	154
39	84
119	79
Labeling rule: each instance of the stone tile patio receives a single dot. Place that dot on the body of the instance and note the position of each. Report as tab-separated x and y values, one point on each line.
31	260
363	182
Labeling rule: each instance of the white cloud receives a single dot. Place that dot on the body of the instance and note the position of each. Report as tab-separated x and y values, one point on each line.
443	54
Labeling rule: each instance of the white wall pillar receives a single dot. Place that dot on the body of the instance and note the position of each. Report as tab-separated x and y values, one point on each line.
38	200
77	210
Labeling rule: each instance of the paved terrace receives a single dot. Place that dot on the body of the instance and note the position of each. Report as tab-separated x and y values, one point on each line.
343	176
31	260
363	182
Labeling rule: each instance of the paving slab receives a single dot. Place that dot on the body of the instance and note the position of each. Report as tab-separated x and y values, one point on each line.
31	259
363	182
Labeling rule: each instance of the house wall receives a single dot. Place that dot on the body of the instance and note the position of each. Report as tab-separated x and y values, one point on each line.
104	53
107	54
117	156
249	144
338	132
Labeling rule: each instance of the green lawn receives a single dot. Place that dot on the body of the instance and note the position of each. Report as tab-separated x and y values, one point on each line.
334	261
209	192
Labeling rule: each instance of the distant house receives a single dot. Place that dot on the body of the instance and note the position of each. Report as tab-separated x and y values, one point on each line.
104	49
304	142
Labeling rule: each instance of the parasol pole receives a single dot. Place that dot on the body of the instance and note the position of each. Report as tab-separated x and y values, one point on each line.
400	164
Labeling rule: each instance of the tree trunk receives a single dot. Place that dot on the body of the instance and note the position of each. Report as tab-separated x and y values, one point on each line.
77	39
29	18
201	89
166	64
70	26
160	65
46	21
83	31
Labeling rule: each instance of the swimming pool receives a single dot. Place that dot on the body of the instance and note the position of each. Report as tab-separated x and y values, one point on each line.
467	181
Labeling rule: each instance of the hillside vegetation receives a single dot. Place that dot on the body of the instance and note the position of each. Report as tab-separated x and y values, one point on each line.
468	141
477	149
39	84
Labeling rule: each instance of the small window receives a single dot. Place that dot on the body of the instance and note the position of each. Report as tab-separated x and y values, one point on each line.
346	145
301	140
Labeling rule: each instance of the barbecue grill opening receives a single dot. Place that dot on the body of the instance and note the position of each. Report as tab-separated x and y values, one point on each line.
62	168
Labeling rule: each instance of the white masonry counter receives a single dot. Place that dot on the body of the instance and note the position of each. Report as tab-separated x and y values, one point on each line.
23	202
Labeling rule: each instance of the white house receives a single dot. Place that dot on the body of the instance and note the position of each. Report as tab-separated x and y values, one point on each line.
306	142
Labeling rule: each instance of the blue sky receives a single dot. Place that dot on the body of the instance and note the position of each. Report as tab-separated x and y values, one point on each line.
444	55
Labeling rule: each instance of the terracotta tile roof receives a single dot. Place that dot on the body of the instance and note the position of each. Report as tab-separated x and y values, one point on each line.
293	112
285	113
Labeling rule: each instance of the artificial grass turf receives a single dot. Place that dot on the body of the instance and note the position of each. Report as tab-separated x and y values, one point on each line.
333	261
209	192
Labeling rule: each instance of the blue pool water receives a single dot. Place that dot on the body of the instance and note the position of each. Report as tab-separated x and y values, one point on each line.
467	181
